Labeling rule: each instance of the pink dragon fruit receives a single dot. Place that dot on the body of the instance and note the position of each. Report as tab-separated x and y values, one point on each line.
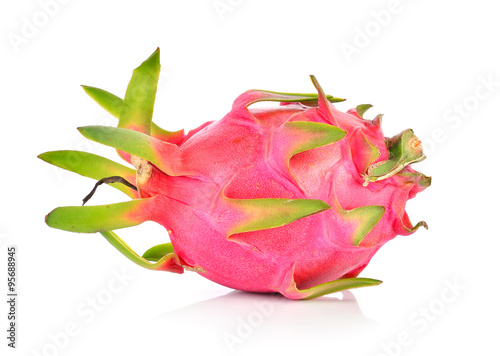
294	198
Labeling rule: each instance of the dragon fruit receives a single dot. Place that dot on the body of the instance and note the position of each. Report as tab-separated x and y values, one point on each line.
295	198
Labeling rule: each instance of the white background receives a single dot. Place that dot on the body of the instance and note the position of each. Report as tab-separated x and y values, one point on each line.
424	64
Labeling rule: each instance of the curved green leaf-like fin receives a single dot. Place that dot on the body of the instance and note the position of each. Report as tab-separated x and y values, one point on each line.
366	218
419	224
138	104
323	103
164	155
362	108
92	166
294	137
155	253
423	181
292	292
261	214
98	218
363	218
253	96
377	121
168	262
306	135
416	227
113	104
366	154
109	102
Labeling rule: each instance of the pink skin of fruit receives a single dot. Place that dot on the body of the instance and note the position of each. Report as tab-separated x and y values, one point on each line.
240	157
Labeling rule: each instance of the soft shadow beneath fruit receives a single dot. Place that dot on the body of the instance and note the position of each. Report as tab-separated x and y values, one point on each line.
241	321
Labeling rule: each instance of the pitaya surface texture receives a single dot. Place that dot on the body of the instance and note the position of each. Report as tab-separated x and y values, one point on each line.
295	198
